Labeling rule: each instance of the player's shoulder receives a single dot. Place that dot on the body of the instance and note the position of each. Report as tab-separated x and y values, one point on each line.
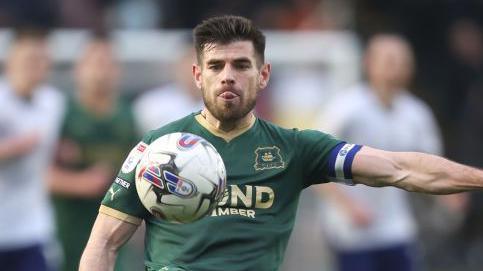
43	91
172	127
414	104
124	108
357	97
50	90
288	134
48	96
265	126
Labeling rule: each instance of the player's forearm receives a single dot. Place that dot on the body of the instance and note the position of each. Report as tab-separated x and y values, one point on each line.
9	149
5	152
97	257
88	183
65	182
107	236
436	175
417	172
13	147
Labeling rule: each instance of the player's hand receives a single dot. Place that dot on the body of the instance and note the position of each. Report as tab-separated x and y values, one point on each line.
20	145
360	216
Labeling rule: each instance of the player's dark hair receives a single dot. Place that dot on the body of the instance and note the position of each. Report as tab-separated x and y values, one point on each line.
227	29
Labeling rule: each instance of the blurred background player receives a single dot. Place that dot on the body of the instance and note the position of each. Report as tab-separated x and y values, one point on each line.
374	229
97	131
30	116
172	101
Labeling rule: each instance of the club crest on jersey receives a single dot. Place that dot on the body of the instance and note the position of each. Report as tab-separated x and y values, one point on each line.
268	158
133	158
188	141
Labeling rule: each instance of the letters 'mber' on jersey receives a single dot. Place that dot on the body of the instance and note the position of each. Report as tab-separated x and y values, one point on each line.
267	168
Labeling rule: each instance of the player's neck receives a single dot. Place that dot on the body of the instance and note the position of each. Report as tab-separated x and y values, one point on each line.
384	93
231	127
22	90
99	105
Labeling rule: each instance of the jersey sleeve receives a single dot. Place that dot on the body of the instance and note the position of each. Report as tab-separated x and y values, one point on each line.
324	158
121	200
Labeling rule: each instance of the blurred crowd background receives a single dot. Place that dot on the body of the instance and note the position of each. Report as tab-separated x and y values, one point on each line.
124	67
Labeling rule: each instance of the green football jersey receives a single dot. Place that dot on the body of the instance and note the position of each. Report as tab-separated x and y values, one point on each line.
85	141
267	168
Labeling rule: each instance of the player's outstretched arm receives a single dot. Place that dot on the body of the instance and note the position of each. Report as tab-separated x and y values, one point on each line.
107	236
416	172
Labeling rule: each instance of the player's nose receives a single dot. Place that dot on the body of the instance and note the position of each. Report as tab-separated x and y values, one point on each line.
228	75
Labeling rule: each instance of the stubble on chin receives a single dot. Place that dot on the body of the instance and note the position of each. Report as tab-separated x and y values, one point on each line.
228	112
224	112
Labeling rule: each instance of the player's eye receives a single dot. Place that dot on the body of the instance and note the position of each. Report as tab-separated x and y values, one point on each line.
215	67
242	66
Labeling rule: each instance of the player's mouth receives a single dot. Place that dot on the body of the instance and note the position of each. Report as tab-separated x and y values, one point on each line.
228	96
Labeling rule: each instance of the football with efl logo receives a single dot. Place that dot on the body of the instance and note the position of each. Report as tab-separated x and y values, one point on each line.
180	178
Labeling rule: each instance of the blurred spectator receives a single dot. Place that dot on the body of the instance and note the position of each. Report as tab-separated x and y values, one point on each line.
30	117
97	133
172	101
368	229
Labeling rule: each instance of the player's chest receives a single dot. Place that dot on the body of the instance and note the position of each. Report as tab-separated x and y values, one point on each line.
258	173
255	162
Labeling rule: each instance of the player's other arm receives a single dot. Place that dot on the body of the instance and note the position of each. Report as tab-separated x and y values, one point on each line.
14	147
415	172
88	183
107	236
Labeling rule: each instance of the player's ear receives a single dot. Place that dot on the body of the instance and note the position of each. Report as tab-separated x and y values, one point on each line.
196	69
264	75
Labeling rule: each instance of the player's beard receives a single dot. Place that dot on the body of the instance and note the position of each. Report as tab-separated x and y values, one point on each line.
228	112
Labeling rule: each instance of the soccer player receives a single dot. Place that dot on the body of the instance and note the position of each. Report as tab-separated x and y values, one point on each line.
98	128
30	117
267	168
363	233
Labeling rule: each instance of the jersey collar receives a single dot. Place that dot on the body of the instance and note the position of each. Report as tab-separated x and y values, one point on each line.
227	136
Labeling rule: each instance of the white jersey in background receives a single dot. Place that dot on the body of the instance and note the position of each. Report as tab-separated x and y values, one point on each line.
408	125
25	214
163	105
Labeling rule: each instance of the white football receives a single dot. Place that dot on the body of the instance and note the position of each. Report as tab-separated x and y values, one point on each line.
180	178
